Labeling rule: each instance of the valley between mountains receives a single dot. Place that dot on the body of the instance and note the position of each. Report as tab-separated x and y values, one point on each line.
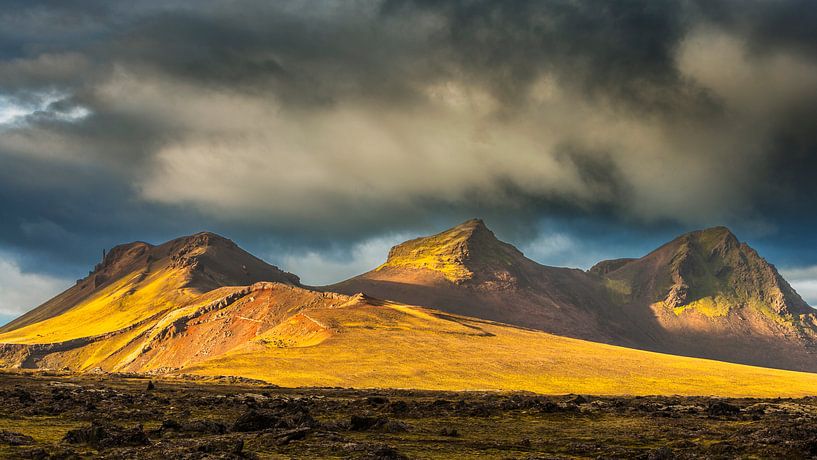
702	315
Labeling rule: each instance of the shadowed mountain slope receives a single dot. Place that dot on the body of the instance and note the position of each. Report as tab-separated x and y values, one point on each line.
704	294
707	294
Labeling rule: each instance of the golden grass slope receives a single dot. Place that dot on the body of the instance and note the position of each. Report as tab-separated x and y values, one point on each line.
129	300
293	336
399	346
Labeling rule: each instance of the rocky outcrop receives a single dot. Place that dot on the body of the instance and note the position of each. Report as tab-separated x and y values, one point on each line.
606	266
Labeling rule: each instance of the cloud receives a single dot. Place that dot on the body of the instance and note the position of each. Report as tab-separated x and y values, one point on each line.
551	248
45	106
10	111
327	267
804	281
20	291
353	120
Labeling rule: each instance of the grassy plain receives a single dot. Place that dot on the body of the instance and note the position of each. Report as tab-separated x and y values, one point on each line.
397	346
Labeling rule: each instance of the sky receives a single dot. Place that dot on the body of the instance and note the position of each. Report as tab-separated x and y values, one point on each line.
317	134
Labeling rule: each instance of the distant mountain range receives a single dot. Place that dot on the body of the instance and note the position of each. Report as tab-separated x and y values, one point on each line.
704	294
456	310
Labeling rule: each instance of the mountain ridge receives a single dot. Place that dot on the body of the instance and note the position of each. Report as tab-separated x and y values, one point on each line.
293	336
201	303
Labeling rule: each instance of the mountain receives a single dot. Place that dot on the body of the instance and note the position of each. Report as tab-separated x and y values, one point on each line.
707	294
467	270
704	294
138	281
294	336
457	310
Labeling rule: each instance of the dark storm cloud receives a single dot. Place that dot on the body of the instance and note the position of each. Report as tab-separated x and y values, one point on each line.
769	26
620	50
62	215
314	125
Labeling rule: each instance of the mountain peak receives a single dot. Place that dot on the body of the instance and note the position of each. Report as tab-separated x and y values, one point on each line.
182	251
148	278
469	250
710	272
716	230
218	261
715	239
206	259
201	240
472	224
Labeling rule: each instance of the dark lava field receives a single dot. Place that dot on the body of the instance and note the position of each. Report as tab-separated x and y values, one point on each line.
49	416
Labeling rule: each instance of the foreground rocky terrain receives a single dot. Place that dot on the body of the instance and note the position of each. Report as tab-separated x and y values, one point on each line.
115	416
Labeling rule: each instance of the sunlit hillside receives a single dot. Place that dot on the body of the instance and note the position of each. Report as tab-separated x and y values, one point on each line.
136	297
197	305
292	336
138	283
410	347
704	294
